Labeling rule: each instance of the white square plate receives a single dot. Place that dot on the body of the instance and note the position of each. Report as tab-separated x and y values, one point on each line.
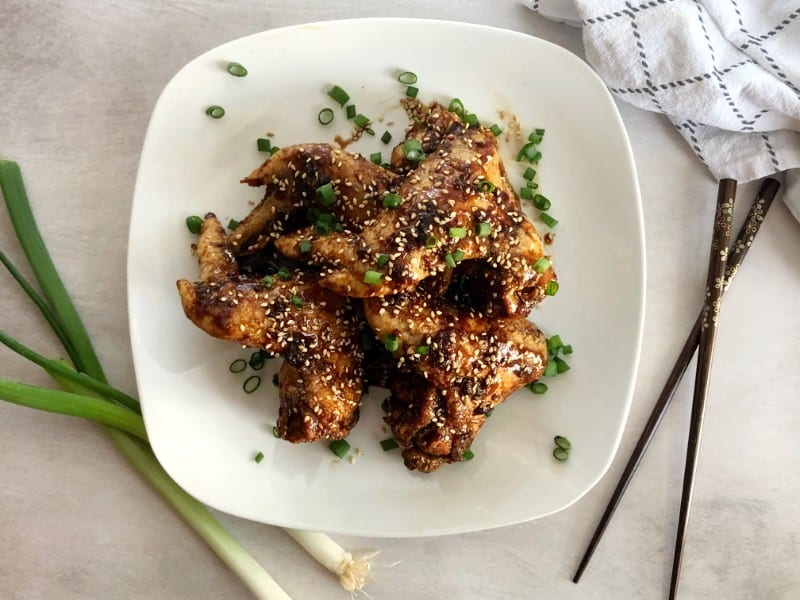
205	430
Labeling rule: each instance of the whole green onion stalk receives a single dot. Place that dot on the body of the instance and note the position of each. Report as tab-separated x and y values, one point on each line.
88	395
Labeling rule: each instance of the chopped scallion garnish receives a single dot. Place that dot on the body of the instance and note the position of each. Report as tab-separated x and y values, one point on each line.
373	277
339	95
263	144
237	70
259	457
529	173
456	106
411	91
541	202
541	265
495	129
392	200
391	343
256	361
536	136
268	281
251	384
551	289
326	195
376	158
215	112
537	387
468	455
422	349
339	447
567	349
471	120
561	365
389	444
450	261
548	220
325	116
458	232
194	223
486	186
350	111
554	343
458	255
297	301
386	137
305	246
237	366
484	229
284	273
361	121
274	428
550	370
233	224
407	78
382	260
412	150
562	442
526	193
431	241
560	454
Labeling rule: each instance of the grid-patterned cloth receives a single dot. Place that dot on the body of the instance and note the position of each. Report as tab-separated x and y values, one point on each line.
725	72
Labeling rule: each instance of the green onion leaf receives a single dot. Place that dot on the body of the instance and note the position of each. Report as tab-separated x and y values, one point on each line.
259	457
233	224
361	121
529	173
268	281
373	277
458	256
273	150
450	261
468	455
339	95
456	106
562	442
297	301
376	158
407	78
251	384
422	350
215	112
412	150
391	343
560	454
237	366
526	193
551	289
431	241
326	195
536	136
236	69
541	202
284	274
263	144
412	91
486	186
392	200
256	360
538	387
305	246
550	370
567	349
471	120
548	220
386	137
554	343
274	428
458	232
339	447
194	223
382	260
350	111
495	129
541	265
325	116
389	444
484	229
561	365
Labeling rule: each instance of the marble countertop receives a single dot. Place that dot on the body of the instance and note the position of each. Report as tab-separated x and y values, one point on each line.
79	79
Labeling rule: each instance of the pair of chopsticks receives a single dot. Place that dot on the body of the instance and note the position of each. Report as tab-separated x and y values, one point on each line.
723	264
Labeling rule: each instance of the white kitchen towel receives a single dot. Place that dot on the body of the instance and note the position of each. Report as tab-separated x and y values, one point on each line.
725	72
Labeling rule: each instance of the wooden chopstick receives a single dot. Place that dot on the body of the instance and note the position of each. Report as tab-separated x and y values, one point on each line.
738	251
715	287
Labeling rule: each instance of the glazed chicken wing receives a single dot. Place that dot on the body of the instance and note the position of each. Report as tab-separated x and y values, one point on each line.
291	177
453	366
314	329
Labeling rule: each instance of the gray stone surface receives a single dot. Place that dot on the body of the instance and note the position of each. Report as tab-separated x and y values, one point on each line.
79	80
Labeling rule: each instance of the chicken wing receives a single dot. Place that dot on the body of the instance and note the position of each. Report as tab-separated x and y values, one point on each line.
291	177
453	366
314	329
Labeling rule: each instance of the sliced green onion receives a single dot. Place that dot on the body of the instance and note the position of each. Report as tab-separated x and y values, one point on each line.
529	152
486	186
326	195
411	91
407	78
567	349
273	150
550	370
284	273
373	277
554	343
412	150
274	428
389	444
458	232
297	301
548	220
450	261
238	365
468	455
194	223
456	106
561	365
339	447
386	137
350	111
423	350
325	116
251	384
256	361
529	173
392	200
541	202
391	343
215	112
305	246
484	229
237	70
541	265
526	193
533	185
369	130
431	241
233	224
560	454
376	158
562	442
361	121
471	120
268	281
458	256
495	129
537	387
551	289
382	260
536	136
339	95
263	144
259	457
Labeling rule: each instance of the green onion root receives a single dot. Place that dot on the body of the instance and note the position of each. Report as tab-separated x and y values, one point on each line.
353	571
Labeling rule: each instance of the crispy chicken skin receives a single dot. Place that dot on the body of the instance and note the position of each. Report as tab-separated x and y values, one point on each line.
291	177
460	184
314	329
470	364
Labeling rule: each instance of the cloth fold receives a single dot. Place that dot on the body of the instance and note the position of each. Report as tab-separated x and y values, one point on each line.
725	72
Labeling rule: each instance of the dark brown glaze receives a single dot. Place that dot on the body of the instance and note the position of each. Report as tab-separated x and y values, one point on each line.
440	398
314	329
291	177
441	193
